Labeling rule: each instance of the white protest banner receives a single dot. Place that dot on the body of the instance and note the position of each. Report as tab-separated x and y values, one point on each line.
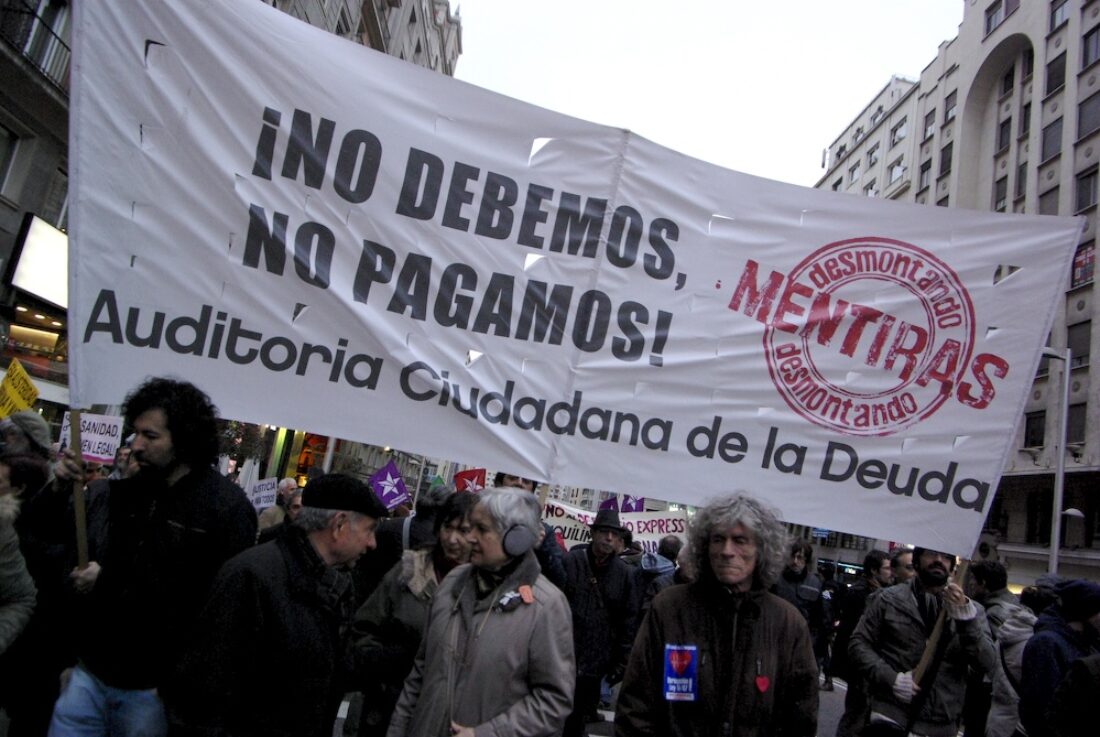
100	436
647	527
316	233
262	493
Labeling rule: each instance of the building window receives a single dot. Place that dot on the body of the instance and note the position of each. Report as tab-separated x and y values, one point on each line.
857	136
1088	115
1035	424
876	116
942	202
1021	180
945	159
1083	262
1000	194
853	173
1028	67
871	190
872	156
1004	134
949	106
993	15
1056	73
1077	340
1048	202
897	133
1086	189
1059	13
1075	423
1052	140
1025	119
838	184
925	174
1090	47
929	124
1008	81
841	150
8	143
896	171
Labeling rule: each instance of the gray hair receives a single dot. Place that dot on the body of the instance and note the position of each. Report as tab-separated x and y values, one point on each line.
286	485
510	507
759	519
311	519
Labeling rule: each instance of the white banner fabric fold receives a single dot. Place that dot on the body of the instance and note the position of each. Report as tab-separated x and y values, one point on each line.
325	237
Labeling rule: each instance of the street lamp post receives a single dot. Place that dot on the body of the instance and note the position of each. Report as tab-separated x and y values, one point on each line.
1060	461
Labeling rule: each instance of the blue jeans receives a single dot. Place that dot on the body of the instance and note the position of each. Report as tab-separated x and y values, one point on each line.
88	707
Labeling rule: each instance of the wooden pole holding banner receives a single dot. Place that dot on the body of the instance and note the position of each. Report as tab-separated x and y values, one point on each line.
78	493
937	631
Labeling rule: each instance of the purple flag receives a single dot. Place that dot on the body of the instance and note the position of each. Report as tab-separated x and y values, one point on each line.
633	503
389	486
611	502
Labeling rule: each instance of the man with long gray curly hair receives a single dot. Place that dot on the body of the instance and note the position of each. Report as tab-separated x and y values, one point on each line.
723	655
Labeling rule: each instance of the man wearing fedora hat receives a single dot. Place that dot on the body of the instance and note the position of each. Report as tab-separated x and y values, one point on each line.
601	592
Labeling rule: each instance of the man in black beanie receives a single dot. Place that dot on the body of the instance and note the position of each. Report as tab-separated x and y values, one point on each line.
277	614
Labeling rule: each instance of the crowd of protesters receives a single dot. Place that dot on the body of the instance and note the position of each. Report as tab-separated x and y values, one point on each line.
192	616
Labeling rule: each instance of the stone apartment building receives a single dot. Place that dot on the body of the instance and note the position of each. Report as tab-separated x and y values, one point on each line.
1006	117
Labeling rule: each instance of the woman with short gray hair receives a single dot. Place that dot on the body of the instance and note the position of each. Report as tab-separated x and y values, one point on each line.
497	654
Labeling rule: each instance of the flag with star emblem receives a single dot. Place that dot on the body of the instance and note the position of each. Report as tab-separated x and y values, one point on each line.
389	486
472	480
611	502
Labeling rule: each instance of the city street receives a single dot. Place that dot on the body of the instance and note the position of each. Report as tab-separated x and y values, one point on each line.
828	713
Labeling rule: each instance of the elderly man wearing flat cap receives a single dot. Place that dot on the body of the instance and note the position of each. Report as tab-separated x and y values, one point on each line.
601	592
276	614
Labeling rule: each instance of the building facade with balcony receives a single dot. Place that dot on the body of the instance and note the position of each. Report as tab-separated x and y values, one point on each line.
34	132
1006	118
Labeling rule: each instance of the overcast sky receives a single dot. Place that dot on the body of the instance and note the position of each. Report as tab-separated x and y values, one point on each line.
760	87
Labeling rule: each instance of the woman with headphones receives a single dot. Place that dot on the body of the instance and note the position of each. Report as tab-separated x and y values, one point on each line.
498	649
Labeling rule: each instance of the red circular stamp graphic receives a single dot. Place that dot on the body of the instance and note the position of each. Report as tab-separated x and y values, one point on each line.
869	336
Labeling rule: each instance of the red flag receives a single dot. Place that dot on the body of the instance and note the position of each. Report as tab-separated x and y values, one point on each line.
472	480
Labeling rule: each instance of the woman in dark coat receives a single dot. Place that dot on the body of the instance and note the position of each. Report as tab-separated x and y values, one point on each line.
389	626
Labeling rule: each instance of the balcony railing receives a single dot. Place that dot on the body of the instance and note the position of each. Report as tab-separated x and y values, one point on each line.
34	38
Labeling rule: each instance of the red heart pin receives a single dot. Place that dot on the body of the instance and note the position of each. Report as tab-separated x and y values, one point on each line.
762	683
680	660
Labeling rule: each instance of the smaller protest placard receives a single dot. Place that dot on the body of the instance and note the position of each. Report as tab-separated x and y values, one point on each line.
572	523
263	493
17	391
100	436
389	486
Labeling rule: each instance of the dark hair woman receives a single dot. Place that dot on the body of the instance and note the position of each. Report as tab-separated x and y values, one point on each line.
388	627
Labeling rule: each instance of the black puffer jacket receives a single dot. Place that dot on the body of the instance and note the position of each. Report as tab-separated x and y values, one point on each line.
605	611
163	547
275	617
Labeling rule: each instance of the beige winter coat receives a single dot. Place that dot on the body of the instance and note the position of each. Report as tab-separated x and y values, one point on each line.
498	664
17	592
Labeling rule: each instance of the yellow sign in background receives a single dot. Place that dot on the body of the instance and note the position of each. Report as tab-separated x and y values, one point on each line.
17	391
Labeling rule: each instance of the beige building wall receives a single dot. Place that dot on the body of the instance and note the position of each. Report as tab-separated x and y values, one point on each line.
1006	117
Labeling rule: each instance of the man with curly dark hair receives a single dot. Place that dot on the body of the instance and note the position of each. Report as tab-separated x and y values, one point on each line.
723	655
156	540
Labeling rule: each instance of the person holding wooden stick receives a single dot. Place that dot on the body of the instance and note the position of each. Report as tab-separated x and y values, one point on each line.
914	646
167	531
